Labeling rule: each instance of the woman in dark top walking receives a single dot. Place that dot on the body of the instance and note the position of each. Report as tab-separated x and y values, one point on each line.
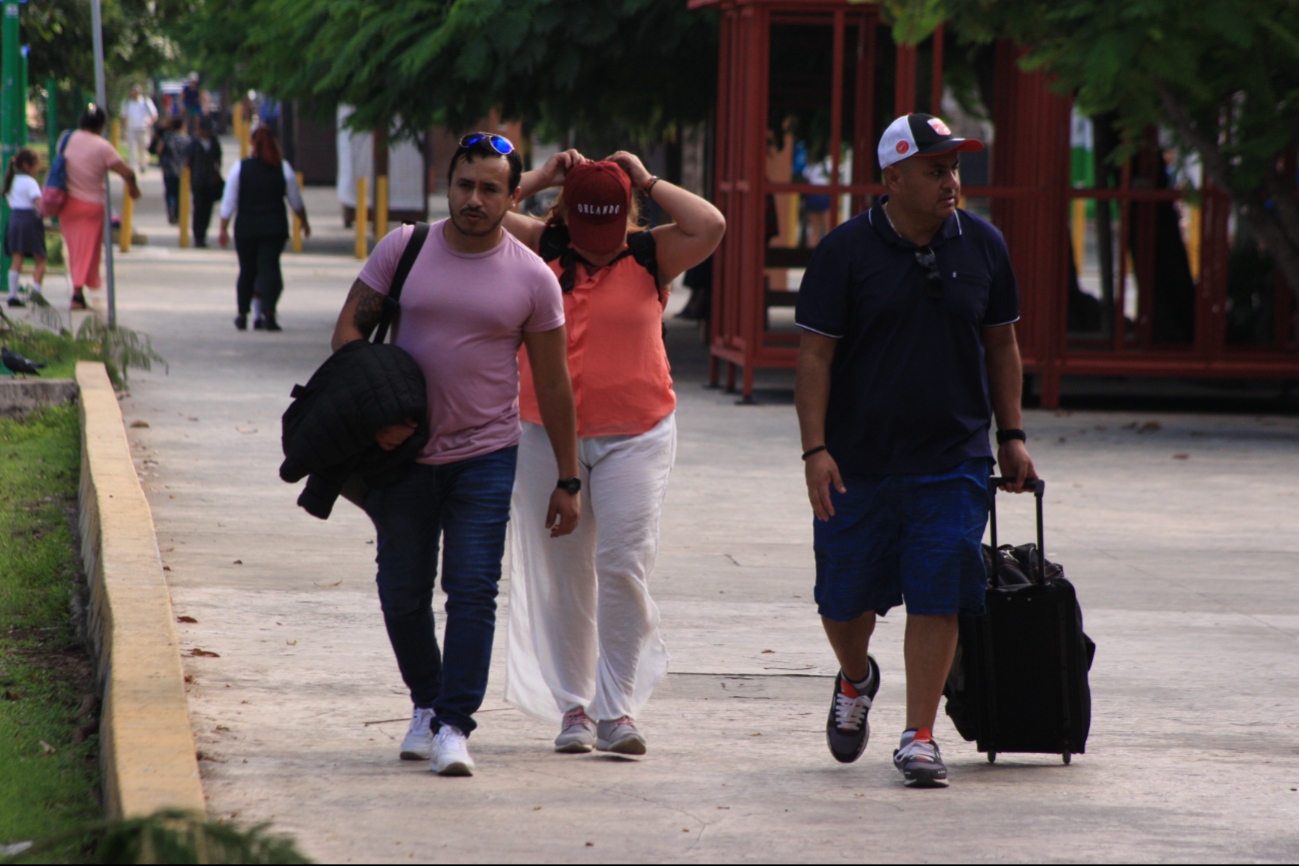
204	178
257	187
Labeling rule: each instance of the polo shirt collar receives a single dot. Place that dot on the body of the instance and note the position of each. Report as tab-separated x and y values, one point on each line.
880	222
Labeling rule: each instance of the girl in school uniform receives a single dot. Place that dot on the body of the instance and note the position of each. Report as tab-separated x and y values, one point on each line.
26	235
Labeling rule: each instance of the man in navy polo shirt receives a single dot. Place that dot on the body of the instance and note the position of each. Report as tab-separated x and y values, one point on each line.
908	349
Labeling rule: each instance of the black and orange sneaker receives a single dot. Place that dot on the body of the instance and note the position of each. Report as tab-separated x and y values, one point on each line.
919	761
847	729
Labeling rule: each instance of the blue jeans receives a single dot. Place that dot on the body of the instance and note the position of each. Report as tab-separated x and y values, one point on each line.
469	502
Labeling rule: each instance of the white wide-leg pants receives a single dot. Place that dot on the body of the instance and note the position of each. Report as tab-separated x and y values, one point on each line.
583	630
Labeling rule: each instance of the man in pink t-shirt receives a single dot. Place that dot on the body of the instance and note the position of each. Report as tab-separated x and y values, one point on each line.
473	297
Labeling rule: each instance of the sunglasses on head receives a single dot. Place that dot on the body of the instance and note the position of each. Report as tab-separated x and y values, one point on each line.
499	143
926	258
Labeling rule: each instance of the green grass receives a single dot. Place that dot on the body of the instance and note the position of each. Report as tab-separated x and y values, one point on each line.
45	673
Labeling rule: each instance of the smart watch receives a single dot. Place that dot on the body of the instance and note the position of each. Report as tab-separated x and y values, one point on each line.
1004	436
572	485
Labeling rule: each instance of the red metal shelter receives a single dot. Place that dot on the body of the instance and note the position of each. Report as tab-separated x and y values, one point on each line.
1117	276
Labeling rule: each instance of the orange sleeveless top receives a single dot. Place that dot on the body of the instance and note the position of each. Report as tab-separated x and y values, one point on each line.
619	366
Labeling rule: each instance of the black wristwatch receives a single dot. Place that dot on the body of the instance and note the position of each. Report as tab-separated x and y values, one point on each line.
1004	436
572	485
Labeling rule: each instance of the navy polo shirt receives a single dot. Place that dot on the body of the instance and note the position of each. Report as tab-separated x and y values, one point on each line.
908	385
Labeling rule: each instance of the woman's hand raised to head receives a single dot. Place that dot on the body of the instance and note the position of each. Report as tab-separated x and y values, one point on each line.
633	166
558	166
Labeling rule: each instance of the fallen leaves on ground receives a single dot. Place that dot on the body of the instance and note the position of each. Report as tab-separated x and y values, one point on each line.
291	642
202	653
13	696
238	562
246	429
139	423
326	585
1181	456
185	619
46	747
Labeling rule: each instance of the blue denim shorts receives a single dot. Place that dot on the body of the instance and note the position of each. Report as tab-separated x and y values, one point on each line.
912	538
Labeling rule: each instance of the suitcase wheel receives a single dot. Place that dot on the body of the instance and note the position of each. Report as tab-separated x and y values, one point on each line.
1067	758
992	757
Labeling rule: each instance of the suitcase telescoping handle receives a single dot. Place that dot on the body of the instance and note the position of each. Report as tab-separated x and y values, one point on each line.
1038	486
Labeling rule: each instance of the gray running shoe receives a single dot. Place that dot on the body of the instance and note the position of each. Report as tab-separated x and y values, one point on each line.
920	763
619	736
847	730
577	733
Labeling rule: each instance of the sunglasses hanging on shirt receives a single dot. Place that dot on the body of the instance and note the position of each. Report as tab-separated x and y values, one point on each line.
928	260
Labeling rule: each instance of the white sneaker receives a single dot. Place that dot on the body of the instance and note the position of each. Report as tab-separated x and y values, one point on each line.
418	744
576	733
450	753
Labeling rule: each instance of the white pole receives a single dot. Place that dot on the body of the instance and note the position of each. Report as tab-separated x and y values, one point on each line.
101	98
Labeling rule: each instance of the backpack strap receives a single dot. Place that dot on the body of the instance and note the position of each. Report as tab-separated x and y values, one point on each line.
63	141
392	303
553	243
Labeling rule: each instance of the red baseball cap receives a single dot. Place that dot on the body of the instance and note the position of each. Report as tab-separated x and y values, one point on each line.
598	195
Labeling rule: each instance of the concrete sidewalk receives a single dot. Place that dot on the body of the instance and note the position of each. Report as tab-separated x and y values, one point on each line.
1179	534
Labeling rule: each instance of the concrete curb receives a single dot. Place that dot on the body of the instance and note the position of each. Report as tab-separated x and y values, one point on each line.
20	396
146	745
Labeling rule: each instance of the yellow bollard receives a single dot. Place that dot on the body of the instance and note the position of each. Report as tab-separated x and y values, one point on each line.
380	207
362	215
184	208
1079	233
128	216
1194	232
244	133
297	222
115	133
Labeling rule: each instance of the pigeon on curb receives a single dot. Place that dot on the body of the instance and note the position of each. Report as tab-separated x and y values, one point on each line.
17	363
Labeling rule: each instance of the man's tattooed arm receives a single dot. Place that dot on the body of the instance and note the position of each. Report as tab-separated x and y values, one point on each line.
369	307
360	316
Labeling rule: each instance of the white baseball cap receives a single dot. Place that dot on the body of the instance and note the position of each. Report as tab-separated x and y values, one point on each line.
920	135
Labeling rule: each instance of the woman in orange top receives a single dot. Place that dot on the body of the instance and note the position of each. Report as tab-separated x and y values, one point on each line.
584	644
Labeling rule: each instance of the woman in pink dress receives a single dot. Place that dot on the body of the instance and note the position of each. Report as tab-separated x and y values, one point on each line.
89	158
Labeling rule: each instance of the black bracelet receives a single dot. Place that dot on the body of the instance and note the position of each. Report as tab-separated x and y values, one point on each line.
1004	436
649	187
817	450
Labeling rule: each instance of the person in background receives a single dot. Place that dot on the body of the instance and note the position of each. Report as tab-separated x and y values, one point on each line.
89	157
257	188
205	180
173	154
139	114
26	235
585	650
191	103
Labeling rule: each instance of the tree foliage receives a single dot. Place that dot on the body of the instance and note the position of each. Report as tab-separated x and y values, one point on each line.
1221	75
136	43
643	65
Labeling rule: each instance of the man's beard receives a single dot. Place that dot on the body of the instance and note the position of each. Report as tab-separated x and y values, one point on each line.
482	233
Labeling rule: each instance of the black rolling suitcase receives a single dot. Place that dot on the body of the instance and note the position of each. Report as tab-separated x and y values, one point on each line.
1019	680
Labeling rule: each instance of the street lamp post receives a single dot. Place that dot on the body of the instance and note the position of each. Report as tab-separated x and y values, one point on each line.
12	115
101	97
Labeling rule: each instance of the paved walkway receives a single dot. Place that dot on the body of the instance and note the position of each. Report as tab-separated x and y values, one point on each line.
1179	531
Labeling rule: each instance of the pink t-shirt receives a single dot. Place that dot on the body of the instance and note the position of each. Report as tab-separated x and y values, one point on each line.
462	318
89	157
